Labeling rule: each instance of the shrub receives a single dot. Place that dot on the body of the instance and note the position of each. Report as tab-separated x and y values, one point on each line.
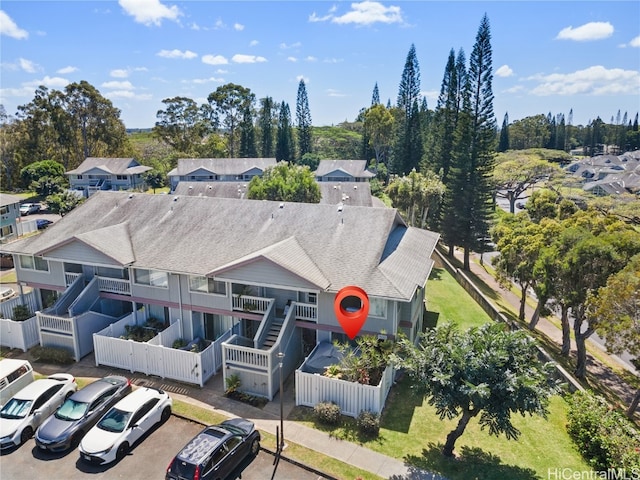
327	413
604	437
232	384
179	343
56	355
21	313
368	423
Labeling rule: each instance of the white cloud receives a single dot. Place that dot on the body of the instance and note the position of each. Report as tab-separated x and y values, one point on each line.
238	26
68	69
292	59
126	85
200	81
363	13
239	58
588	31
595	80
128	94
149	12
27	65
119	73
284	46
635	42
9	28
49	82
333	60
27	89
335	93
504	71
302	77
175	53
253	43
310	58
214	60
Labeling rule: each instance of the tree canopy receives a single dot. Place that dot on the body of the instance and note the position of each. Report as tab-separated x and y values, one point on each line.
488	372
285	182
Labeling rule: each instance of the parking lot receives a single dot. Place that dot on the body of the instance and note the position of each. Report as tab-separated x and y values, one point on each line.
147	460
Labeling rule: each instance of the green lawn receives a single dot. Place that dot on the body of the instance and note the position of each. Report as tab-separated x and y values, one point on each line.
448	301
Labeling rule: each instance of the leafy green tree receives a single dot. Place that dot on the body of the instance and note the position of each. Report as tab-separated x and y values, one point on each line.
303	120
63	202
285	147
517	171
181	124
488	372
45	177
154	179
417	196
228	103
311	160
378	122
614	313
285	182
529	132
267	124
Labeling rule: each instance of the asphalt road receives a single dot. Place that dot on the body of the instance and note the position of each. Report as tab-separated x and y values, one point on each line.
148	459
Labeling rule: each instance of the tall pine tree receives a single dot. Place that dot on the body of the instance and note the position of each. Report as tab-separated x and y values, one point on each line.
468	203
503	144
266	120
408	146
303	119
285	148
375	97
247	135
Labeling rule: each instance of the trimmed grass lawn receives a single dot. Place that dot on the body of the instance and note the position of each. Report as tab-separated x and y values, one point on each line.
449	302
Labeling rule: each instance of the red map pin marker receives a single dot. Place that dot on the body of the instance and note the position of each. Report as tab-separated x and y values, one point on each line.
351	307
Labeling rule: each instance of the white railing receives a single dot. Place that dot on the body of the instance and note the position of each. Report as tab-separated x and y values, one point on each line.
70	277
28	299
351	397
306	311
247	357
22	335
114	285
247	303
54	323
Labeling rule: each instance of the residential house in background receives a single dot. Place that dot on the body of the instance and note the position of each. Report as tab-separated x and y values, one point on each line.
243	279
343	171
609	174
98	173
9	217
218	170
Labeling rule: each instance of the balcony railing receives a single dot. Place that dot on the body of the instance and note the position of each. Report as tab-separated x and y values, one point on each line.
55	323
105	284
247	303
306	311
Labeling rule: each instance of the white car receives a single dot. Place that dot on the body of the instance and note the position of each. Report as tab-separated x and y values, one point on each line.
28	208
128	420
28	408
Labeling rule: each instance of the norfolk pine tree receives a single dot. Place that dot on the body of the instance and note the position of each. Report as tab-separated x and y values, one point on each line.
285	148
303	119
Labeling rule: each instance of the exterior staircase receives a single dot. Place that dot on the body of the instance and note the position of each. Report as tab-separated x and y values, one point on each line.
272	334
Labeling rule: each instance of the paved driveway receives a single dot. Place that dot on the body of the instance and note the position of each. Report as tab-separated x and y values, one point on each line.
148	460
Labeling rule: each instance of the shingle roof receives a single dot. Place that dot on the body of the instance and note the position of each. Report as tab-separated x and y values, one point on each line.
114	166
220	166
330	247
6	199
212	189
355	168
348	193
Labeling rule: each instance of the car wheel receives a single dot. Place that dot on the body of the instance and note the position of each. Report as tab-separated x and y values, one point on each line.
166	413
122	451
255	447
26	434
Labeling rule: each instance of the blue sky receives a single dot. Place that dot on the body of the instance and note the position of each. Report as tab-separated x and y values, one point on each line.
548	56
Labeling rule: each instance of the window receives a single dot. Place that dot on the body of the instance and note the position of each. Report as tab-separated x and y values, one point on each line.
377	307
6	230
79	177
312	298
121	177
4	210
207	285
33	263
153	278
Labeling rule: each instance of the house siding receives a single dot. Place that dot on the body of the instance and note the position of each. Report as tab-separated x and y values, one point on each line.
326	316
77	252
54	277
267	273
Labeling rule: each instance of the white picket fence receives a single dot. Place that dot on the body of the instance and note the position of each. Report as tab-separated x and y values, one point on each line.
156	357
22	335
28	299
351	397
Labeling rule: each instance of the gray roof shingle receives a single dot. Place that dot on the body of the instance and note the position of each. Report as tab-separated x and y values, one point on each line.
330	247
114	166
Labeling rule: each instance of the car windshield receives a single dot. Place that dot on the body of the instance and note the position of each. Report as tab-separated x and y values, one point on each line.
114	421
16	408
71	410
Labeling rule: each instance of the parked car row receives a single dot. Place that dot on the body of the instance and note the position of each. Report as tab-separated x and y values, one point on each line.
107	417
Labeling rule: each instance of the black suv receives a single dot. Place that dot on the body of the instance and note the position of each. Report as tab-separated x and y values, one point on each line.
216	451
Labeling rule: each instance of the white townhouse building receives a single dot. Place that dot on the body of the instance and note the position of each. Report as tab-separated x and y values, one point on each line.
245	279
218	170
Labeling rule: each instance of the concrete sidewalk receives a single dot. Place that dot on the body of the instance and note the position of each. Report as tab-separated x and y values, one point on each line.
211	397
